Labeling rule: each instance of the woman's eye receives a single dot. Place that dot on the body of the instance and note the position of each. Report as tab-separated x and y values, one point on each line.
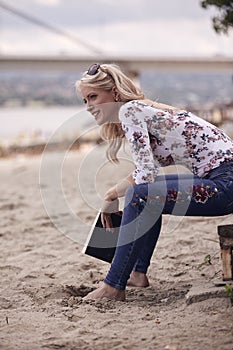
92	97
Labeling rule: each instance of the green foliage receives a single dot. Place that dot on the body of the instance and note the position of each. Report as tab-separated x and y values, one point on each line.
229	292
224	20
206	261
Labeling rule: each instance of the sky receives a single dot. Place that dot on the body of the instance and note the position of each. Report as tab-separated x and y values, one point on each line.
154	28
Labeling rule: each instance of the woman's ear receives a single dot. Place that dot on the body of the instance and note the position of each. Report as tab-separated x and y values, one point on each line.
116	94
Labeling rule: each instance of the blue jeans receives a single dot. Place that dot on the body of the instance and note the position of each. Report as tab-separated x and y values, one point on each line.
184	195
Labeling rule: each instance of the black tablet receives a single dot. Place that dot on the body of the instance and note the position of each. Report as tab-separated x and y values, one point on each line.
101	243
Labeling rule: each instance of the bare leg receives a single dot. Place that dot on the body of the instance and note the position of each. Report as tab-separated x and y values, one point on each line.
138	279
106	291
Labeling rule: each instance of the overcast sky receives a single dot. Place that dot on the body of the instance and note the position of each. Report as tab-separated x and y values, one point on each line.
116	27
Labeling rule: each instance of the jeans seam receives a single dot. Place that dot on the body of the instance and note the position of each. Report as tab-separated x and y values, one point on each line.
118	285
126	260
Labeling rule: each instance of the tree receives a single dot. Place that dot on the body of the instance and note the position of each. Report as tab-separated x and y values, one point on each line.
224	20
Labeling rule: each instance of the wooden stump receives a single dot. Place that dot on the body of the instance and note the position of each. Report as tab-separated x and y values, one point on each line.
225	233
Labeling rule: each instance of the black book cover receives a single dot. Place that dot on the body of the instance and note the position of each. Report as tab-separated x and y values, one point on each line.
101	243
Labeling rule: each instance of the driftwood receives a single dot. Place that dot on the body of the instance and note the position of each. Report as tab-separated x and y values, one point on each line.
225	233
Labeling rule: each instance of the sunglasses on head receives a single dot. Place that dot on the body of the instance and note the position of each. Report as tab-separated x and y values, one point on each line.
93	69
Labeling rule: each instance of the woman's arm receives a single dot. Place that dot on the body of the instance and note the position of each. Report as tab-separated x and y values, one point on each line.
119	189
111	202
135	120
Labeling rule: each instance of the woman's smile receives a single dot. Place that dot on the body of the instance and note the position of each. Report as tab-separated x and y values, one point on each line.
95	113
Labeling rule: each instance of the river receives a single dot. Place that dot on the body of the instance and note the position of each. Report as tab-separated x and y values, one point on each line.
24	125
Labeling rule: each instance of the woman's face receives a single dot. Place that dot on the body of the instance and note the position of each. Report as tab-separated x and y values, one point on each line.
101	104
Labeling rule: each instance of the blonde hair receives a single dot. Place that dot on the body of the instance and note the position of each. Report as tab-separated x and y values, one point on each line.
107	77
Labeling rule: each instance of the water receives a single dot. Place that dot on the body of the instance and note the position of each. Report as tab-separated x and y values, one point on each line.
25	125
188	88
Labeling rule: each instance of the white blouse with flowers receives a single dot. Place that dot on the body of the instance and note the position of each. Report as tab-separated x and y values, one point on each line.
164	137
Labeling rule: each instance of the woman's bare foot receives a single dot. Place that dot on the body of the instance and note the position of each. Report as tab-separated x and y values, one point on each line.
106	291
138	279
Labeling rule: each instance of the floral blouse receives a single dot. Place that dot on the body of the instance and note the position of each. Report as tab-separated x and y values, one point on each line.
160	137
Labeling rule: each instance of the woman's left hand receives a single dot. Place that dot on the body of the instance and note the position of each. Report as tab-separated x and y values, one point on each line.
109	207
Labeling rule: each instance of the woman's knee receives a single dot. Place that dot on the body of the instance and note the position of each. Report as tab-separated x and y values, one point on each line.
138	189
136	193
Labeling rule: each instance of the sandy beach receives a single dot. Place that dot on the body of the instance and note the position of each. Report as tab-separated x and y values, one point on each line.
44	273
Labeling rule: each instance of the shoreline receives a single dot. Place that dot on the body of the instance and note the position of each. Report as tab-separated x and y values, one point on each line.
38	149
32	148
74	123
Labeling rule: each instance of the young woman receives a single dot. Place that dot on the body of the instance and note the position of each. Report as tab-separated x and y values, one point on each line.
158	135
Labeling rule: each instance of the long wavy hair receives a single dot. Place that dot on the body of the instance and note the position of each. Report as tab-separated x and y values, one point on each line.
107	77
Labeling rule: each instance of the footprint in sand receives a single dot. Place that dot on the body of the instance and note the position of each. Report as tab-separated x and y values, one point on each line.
9	270
79	291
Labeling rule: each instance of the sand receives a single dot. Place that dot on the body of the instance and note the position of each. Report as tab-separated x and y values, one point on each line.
44	274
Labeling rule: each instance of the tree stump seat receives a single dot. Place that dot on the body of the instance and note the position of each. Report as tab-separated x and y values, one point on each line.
225	233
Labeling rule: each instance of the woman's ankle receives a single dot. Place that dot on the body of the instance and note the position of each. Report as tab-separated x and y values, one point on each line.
138	279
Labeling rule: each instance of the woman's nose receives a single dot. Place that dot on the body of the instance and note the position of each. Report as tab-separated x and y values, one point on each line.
89	107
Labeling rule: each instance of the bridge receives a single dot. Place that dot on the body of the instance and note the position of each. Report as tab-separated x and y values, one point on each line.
131	65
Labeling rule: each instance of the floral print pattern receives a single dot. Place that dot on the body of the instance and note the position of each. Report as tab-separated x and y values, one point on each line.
200	193
159	138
